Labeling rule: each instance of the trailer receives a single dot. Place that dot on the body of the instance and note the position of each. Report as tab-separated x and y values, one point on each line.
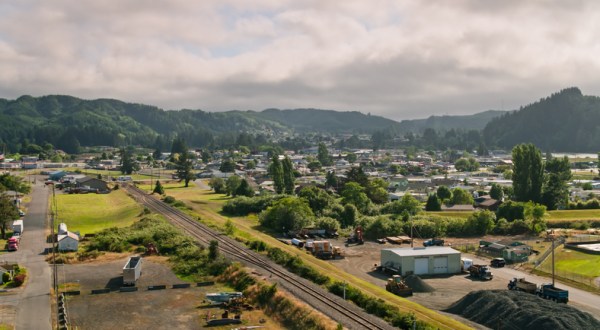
17	226
520	284
132	270
549	291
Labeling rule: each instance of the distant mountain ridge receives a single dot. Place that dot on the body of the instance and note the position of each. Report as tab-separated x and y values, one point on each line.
476	121
564	121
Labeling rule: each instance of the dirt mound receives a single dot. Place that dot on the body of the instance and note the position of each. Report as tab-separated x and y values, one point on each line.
417	284
503	309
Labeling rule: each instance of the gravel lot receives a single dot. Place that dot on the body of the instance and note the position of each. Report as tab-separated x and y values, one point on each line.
162	309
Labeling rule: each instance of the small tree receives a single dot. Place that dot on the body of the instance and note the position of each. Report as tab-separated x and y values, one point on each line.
496	192
444	193
158	188
213	250
218	185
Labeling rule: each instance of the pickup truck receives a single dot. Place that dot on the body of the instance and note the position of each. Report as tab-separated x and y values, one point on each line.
434	242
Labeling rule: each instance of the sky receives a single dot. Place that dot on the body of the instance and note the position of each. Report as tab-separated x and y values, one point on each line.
398	59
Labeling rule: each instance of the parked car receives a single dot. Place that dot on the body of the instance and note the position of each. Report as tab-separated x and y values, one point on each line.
498	262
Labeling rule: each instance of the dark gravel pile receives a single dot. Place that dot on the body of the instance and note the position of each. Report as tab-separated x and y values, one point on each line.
504	309
417	284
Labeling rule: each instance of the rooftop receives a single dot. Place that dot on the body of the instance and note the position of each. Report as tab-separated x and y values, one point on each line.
423	251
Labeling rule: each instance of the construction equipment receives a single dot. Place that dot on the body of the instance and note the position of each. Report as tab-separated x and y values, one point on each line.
520	284
481	272
356	237
397	286
323	249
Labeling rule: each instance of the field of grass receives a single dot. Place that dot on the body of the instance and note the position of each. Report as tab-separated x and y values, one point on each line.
454	214
559	215
207	205
573	264
88	213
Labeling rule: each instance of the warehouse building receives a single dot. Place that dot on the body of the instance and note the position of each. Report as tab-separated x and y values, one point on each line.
422	260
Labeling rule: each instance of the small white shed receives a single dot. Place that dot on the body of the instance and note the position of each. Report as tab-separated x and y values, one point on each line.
68	242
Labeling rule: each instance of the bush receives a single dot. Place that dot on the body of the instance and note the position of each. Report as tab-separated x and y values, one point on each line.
169	199
18	280
245	205
6	277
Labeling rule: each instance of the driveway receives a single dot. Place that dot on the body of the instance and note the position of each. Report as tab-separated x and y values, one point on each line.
29	307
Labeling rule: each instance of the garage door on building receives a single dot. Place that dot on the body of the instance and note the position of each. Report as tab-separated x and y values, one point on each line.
440	265
421	266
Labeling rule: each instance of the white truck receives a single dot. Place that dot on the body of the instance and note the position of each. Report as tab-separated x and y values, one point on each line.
17	226
132	270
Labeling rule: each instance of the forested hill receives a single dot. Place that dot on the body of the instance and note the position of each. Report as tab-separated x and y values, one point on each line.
310	120
565	121
446	123
66	122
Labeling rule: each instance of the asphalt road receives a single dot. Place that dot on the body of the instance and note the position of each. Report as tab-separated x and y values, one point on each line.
33	301
580	299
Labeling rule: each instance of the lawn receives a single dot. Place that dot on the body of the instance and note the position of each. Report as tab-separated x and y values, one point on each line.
451	214
89	213
208	204
558	215
573	264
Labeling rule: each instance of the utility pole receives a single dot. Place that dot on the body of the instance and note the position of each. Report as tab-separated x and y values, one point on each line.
553	238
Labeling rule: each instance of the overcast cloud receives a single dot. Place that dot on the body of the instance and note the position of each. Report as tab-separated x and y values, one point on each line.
398	59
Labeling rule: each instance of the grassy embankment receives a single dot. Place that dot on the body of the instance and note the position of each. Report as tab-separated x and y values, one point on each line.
89	213
208	206
574	215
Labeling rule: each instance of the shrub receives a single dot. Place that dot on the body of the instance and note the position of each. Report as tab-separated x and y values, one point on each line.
6	277
169	199
18	280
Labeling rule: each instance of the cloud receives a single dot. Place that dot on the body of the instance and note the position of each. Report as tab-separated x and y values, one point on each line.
400	59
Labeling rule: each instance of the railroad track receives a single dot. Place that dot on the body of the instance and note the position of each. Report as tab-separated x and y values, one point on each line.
232	248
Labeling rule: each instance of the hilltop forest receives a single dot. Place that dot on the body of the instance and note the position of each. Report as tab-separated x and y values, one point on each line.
565	121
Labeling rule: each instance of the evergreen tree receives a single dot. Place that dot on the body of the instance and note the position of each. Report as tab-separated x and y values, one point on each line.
556	193
158	188
128	164
178	146
323	155
528	173
433	203
184	168
276	170
288	175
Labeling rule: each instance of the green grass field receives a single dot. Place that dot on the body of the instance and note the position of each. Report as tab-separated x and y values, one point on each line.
89	213
573	215
570	263
451	214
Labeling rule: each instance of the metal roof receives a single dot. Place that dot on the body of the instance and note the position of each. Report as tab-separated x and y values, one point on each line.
423	251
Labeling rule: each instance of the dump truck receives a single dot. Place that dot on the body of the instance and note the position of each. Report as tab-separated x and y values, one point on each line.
132	270
549	291
520	284
398	287
481	272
